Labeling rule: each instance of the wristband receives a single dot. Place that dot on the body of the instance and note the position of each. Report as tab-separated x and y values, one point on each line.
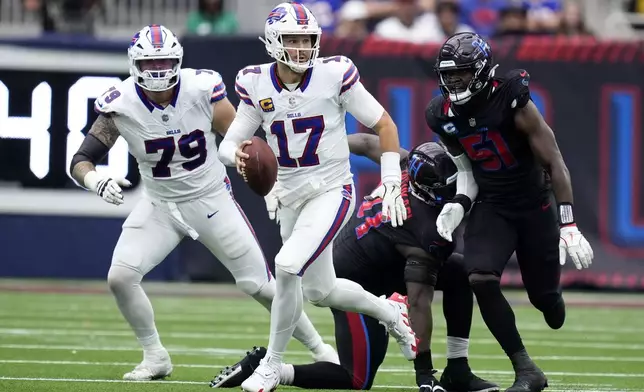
463	200
566	216
390	167
91	180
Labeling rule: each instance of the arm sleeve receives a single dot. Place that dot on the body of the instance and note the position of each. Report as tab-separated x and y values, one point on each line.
362	105
242	128
465	183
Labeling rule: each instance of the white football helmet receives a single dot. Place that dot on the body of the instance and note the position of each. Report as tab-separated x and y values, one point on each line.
155	42
291	19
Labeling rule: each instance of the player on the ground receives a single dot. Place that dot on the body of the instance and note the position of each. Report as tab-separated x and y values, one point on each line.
301	102
169	117
504	150
414	258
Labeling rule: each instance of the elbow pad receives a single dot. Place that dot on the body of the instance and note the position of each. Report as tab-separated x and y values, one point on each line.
91	150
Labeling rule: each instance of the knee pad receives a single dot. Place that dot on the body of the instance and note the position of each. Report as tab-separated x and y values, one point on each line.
482	282
250	286
423	271
545	301
317	296
121	278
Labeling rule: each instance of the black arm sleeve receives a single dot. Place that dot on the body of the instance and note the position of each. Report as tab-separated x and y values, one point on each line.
91	150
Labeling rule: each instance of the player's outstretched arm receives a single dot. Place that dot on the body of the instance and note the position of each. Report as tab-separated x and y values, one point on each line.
368	111
367	145
544	145
223	114
95	146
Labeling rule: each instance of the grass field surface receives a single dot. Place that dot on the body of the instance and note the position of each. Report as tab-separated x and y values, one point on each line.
69	336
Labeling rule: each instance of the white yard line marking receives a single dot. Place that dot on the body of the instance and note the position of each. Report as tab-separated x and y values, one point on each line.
262	337
205	383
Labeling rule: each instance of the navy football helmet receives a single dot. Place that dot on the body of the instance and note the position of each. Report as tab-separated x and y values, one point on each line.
432	174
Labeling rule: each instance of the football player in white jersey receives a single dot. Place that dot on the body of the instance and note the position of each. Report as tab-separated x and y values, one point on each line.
301	102
168	117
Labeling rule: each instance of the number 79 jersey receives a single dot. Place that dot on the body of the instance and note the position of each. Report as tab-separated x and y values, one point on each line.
304	125
173	146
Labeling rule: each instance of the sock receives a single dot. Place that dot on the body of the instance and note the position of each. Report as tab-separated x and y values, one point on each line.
287	374
457	347
134	306
498	315
286	311
323	375
351	297
304	331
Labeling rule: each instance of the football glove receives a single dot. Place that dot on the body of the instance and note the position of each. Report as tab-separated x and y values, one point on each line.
272	205
448	220
393	205
107	188
571	241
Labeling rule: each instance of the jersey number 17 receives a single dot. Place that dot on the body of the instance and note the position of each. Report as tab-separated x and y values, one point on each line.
315	126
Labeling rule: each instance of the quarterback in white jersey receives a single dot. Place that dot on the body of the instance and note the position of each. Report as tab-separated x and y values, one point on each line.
301	102
168	117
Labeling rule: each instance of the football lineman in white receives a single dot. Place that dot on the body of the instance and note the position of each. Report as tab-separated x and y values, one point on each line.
166	115
301	102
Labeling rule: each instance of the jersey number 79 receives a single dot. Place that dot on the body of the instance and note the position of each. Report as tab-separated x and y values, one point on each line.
315	127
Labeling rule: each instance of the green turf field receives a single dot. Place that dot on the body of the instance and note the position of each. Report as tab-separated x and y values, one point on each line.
53	341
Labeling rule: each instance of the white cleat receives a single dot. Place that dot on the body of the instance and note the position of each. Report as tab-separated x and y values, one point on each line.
153	367
327	354
264	379
400	328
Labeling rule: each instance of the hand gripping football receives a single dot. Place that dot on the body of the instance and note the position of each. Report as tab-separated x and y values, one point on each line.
261	167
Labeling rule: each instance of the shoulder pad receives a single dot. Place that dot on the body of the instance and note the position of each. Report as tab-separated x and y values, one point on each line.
515	88
245	82
343	70
208	80
108	102
434	111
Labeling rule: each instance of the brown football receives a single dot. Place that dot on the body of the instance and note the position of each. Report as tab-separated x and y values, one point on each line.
261	168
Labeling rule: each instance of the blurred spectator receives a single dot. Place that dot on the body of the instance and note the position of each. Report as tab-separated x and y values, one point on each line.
211	18
481	15
572	21
406	25
325	11
635	6
67	16
445	22
513	19
544	15
352	20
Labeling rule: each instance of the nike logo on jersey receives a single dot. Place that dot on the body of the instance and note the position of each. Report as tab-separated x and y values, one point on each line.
213	214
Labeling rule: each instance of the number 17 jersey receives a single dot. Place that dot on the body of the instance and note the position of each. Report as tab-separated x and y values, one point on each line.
304	124
174	146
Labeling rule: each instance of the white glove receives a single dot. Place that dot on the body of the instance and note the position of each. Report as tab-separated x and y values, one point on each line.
448	220
272	204
107	188
393	205
571	240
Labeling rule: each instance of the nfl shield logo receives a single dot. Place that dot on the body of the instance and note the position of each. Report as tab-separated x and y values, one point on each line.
165	118
472	122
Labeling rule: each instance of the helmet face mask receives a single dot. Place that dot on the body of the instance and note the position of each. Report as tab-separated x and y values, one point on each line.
292	36
464	67
155	56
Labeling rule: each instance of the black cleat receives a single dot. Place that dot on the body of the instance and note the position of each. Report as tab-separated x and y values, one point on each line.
233	376
461	379
431	384
529	381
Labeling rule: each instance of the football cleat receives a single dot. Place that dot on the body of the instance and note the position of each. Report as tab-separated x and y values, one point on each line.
461	379
529	381
327	354
233	376
431	384
400	328
264	379
153	367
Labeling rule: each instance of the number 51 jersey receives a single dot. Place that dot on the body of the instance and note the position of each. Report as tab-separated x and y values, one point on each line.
304	124
174	146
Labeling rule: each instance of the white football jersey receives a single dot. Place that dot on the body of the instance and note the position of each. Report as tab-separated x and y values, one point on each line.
304	127
174	146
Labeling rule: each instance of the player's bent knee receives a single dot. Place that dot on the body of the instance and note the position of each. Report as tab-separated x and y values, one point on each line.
317	296
120	278
423	271
287	263
250	286
483	280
